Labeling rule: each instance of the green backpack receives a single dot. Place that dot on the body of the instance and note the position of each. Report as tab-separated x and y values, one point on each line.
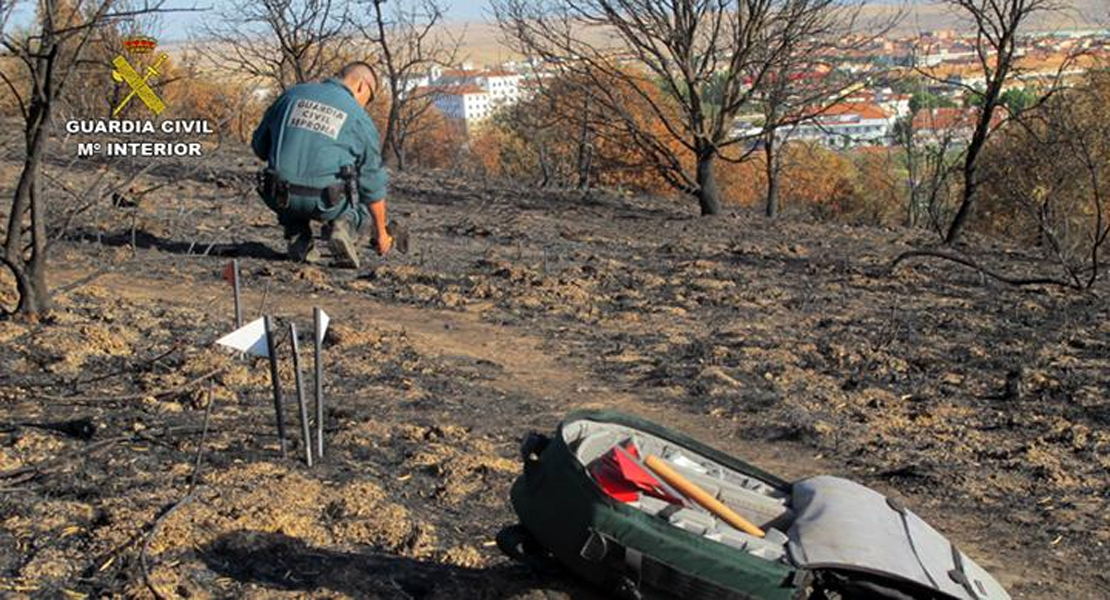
825	537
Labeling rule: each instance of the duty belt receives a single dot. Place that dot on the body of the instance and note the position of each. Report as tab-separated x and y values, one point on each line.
271	185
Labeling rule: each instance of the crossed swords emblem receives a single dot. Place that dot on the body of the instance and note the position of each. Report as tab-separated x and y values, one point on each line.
124	72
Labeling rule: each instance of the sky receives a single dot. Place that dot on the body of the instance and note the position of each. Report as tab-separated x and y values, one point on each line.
176	26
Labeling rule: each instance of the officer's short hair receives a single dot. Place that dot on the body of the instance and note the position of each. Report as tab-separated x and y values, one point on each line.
359	68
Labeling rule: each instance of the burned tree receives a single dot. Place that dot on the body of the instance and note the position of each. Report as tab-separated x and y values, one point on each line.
928	138
411	45
710	59
1048	182
40	65
283	42
801	88
804	81
1044	185
998	25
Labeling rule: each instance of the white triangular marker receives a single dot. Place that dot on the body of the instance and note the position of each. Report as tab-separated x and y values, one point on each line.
250	338
324	320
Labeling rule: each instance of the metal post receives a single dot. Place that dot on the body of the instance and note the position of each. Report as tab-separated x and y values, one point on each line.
305	430
235	286
275	381
318	354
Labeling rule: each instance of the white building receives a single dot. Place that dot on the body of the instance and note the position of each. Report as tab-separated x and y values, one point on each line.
847	125
421	80
897	105
466	102
473	96
503	87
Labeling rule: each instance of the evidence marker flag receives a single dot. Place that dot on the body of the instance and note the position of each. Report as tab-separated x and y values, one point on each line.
320	321
250	338
228	273
323	328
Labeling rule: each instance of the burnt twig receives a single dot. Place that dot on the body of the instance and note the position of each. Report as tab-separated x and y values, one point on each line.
81	400
189	495
967	262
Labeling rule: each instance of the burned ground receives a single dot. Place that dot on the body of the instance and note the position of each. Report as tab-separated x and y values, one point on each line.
789	344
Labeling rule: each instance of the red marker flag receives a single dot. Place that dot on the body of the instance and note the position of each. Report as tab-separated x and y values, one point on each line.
229	273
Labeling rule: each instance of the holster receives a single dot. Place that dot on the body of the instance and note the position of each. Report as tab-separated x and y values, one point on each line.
271	186
349	175
333	195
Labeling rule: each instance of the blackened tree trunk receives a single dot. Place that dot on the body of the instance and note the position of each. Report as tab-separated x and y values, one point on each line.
998	27
29	268
709	197
37	301
394	139
971	162
771	168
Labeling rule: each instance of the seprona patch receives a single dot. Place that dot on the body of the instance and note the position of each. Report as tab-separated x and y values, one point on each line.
318	117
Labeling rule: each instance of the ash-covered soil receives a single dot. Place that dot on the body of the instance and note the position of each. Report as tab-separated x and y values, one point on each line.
789	344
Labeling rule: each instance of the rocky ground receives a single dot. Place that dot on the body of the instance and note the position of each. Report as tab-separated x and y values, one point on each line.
789	344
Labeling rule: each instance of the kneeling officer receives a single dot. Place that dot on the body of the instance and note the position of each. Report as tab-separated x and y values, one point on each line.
324	164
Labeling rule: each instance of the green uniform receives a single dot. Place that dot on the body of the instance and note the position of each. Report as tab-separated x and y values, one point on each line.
309	133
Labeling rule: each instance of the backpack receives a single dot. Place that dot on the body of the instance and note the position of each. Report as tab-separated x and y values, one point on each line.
823	537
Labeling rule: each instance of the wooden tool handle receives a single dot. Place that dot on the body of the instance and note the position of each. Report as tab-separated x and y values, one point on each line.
702	497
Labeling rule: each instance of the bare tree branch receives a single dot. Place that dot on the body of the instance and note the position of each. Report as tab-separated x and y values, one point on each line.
709	58
49	56
283	42
412	44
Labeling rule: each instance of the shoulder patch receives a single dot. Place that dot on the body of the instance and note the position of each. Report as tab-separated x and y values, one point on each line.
316	116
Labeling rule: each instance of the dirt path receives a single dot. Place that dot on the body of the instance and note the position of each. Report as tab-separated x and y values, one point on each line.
522	365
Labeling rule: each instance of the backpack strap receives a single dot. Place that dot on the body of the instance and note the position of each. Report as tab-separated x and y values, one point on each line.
958	574
518	544
642	574
900	508
531	447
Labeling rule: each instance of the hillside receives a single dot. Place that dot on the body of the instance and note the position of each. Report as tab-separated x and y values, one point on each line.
482	40
789	344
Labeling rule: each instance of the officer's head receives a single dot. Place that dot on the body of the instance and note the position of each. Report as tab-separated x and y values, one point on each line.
359	77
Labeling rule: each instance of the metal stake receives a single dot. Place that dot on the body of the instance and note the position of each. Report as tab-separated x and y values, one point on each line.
305	427
236	287
275	381
318	343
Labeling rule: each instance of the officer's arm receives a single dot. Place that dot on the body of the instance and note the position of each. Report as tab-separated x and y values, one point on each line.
385	241
373	179
260	141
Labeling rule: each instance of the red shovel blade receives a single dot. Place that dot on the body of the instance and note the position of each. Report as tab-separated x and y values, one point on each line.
621	477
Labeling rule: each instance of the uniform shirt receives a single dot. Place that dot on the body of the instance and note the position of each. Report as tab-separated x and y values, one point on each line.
312	130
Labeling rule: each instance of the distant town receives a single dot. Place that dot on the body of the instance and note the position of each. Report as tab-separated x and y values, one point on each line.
927	81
